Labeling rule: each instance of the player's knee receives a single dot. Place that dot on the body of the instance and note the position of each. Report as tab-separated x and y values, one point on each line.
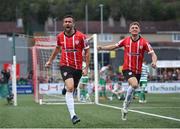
70	89
133	82
134	85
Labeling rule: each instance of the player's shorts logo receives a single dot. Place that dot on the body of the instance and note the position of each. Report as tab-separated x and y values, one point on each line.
65	73
130	73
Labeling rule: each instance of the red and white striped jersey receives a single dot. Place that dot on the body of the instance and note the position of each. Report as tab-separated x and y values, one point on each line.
72	49
134	53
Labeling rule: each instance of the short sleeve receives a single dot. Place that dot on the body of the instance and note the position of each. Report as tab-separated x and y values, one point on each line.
148	47
85	42
120	43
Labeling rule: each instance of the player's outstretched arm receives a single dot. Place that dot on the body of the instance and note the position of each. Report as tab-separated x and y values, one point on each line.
108	47
87	55
51	58
154	60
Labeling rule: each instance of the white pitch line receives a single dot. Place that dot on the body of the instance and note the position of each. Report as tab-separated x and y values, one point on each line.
156	107
150	114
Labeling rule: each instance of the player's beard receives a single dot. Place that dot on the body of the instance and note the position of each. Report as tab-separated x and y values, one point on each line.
68	30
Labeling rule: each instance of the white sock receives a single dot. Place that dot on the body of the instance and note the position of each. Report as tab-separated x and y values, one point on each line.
128	97
70	103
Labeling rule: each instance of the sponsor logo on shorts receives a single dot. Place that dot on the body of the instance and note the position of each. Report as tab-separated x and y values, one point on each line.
130	73
65	74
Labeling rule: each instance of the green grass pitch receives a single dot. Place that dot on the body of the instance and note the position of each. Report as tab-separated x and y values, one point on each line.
29	114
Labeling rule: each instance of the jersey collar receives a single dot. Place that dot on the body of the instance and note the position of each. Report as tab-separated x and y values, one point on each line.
136	39
71	34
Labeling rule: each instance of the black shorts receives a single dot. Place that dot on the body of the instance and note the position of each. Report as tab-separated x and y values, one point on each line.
69	72
128	74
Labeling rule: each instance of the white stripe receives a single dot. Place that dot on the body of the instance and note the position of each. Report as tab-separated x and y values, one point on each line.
130	54
74	52
137	59
156	107
145	113
65	50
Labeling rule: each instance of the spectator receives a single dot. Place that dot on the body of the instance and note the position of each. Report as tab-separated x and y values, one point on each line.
4	82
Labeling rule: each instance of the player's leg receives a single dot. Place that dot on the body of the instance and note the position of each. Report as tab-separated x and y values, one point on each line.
3	90
70	100
142	98
143	91
69	96
130	91
83	84
110	93
64	90
133	84
6	93
67	75
129	95
86	83
76	78
121	95
82	92
102	84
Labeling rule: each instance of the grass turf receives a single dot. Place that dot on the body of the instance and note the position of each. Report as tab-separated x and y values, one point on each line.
28	114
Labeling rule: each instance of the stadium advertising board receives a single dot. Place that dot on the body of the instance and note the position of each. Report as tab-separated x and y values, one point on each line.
159	87
163	88
168	64
51	88
23	89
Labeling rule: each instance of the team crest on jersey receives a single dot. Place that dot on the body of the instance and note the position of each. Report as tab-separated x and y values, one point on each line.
130	73
76	42
65	74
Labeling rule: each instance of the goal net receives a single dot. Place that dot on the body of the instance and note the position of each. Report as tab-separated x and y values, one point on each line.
48	83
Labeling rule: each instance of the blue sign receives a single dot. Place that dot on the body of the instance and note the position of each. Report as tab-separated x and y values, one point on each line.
23	89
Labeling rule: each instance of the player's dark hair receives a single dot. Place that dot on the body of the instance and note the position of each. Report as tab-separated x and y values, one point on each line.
68	16
134	23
